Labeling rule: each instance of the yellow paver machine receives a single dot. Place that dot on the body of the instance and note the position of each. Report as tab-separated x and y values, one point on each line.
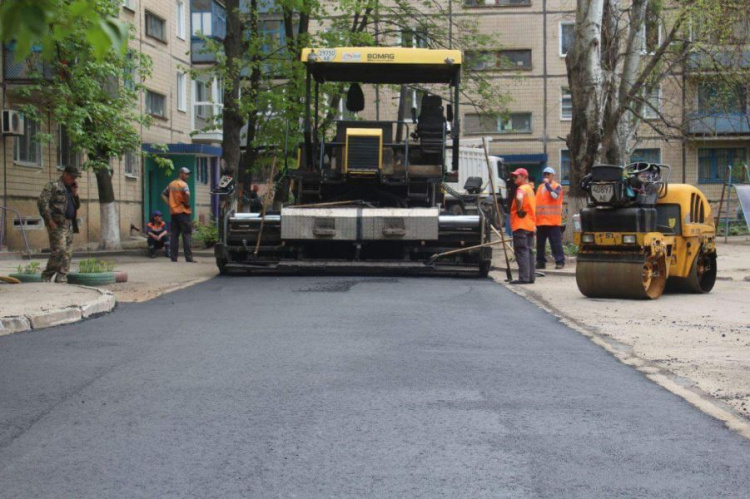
641	236
368	194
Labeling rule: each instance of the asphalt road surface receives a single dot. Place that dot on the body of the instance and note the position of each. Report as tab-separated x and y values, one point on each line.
336	386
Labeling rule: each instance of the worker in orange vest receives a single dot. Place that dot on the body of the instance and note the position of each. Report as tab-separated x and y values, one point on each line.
549	200
177	196
523	225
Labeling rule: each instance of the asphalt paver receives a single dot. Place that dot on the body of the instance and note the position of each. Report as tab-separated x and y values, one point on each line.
343	386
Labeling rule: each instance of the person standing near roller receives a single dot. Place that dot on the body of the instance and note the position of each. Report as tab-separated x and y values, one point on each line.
549	201
523	225
177	196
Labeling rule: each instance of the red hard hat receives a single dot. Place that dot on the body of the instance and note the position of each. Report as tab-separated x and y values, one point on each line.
520	171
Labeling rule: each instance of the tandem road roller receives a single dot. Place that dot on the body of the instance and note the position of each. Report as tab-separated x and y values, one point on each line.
641	236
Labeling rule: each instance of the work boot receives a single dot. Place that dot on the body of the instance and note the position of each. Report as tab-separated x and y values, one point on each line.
560	266
541	265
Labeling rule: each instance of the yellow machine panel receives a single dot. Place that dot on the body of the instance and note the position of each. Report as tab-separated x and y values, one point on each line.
363	152
375	55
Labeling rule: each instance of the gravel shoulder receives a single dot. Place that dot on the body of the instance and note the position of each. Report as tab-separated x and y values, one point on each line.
702	342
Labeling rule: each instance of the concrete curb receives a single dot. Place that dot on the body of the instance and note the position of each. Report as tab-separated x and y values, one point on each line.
104	303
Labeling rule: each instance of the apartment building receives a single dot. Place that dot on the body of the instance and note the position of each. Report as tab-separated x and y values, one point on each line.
181	108
534	36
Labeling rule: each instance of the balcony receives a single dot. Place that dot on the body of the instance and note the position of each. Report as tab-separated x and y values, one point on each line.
718	124
207	125
198	52
29	69
208	19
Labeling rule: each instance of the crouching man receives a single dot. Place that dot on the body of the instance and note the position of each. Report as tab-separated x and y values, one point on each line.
158	237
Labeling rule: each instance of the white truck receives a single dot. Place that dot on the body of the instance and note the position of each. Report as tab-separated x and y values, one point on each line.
473	163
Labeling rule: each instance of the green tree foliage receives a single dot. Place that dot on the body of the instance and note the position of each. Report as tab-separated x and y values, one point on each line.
96	100
44	23
272	77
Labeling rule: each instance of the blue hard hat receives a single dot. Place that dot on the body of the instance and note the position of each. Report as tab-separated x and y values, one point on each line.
549	169
156	213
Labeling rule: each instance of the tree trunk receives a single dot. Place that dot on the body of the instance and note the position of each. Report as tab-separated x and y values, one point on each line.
247	160
586	80
109	220
232	117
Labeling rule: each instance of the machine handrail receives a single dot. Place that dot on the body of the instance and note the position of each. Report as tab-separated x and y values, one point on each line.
4	209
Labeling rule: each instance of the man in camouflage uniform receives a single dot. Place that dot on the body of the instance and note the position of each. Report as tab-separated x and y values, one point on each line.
58	205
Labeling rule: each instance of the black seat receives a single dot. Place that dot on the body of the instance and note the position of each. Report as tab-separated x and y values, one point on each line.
431	126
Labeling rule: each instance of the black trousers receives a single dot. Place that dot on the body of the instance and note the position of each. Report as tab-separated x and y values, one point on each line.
554	234
182	223
523	247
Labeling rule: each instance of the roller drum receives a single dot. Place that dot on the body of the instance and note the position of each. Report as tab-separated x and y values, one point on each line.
622	279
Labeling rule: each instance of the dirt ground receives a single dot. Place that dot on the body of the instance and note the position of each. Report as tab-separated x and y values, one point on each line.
147	278
150	278
702	341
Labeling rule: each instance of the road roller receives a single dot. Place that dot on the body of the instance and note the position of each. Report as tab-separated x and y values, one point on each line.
641	236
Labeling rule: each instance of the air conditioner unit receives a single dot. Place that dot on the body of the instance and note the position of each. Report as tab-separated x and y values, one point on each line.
12	122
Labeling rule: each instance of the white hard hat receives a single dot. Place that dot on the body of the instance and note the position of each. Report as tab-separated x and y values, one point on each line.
549	169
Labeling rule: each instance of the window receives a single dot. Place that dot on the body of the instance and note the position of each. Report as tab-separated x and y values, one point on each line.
514	59
66	155
181	92
155	104
128	72
129	4
413	39
26	148
180	13
722	99
565	167
501	60
512	123
651	33
208	19
652	104
567	36
413	99
566	105
646	156
713	164
201	96
130	164
201	23
496	3
155	27
202	170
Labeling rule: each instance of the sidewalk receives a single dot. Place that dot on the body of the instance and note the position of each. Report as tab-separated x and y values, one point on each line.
35	306
697	346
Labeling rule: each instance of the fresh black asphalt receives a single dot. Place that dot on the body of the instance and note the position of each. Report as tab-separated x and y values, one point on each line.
345	387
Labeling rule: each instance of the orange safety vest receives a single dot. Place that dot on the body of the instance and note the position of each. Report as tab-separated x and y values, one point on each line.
177	191
548	209
529	206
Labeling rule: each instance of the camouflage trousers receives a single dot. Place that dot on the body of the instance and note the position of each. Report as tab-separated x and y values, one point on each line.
61	246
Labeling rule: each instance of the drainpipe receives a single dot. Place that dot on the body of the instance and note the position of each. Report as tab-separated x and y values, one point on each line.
5	176
544	78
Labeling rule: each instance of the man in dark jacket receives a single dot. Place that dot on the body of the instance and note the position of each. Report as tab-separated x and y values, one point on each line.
58	205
